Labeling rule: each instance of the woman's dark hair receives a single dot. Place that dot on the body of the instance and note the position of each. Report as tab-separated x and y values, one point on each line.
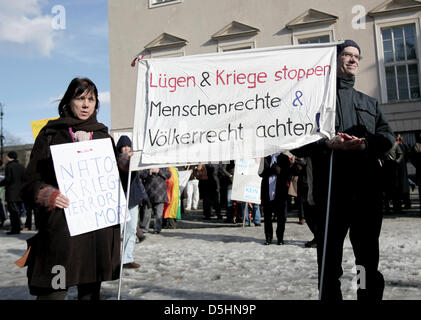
77	87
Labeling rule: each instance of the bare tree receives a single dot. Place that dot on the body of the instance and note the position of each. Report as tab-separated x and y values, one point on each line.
11	140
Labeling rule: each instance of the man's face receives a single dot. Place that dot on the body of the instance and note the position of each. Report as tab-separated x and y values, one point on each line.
348	62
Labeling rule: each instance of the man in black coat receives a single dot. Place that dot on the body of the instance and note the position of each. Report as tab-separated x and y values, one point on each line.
362	137
210	191
392	180
415	157
274	194
13	181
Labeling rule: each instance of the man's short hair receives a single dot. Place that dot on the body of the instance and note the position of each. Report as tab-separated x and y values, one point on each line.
12	155
347	43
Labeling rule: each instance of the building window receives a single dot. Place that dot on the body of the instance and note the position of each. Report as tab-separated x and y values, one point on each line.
235	46
322	39
401	62
320	35
156	3
313	26
244	47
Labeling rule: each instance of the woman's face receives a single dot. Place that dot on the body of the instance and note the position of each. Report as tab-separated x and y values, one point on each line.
83	106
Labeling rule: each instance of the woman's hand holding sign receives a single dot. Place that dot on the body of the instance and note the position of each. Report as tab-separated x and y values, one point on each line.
62	201
51	198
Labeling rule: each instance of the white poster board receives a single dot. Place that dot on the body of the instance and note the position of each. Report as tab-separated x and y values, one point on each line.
246	182
87	175
234	105
183	179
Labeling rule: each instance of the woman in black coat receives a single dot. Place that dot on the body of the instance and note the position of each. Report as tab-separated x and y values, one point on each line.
86	259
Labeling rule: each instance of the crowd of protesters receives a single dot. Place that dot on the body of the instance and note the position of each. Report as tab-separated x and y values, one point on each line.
286	189
211	186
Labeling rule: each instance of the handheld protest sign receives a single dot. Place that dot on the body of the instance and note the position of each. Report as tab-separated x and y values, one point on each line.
183	179
246	182
87	175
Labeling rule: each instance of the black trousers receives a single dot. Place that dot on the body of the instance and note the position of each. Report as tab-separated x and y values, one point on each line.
14	211
3	216
362	216
419	194
31	212
310	214
279	209
211	198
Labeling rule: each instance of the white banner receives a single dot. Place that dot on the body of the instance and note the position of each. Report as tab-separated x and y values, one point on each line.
236	105
87	175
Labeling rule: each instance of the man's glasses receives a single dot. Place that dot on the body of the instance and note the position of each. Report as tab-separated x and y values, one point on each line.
350	55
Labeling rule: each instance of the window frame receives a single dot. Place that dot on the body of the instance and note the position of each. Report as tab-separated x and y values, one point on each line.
232	46
165	3
392	22
167	53
310	38
313	33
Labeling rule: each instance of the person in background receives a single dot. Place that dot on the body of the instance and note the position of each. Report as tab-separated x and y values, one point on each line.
224	183
310	212
13	181
172	209
392	185
30	212
274	194
210	191
403	173
192	190
228	171
295	190
255	213
415	158
155	184
303	169
3	213
137	197
89	258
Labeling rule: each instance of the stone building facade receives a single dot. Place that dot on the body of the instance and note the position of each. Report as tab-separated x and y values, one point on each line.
388	33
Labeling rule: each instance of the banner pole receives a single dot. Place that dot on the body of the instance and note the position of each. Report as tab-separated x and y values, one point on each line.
124	231
322	273
244	213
